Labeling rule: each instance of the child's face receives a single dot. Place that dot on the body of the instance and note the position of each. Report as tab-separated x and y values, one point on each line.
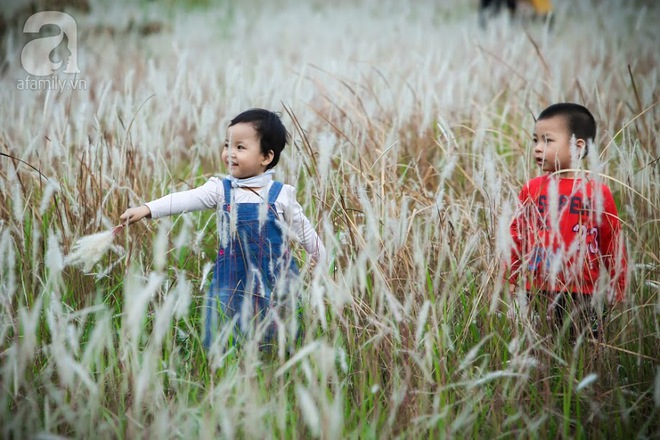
552	144
244	157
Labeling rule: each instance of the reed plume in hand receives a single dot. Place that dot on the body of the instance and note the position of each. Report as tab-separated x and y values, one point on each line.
88	250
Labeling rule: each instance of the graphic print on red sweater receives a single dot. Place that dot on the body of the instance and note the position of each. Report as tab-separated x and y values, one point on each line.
567	237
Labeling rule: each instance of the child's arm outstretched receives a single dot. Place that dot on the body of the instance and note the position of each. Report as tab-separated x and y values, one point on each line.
197	199
132	215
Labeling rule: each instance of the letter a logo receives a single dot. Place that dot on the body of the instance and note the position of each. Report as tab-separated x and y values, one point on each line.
35	56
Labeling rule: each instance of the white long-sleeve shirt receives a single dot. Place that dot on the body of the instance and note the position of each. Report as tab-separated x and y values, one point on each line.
212	194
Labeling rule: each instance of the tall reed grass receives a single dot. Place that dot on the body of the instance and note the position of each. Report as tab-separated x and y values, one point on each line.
411	130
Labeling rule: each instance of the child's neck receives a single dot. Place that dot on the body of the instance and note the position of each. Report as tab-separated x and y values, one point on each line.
256	182
564	174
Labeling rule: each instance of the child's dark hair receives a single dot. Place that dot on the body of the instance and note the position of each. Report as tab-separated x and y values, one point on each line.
579	120
272	134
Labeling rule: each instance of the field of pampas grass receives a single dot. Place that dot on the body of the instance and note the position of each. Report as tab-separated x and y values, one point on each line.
411	130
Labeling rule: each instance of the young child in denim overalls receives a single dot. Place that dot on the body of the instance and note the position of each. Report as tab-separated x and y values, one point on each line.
257	217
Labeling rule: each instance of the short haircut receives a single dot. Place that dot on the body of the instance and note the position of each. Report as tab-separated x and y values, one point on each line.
579	120
268	125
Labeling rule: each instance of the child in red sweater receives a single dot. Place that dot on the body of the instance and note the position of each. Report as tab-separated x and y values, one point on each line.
567	235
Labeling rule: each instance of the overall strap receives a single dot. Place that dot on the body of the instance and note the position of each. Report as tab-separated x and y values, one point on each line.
274	192
227	185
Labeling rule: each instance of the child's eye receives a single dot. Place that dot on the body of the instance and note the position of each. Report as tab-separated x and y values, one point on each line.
226	145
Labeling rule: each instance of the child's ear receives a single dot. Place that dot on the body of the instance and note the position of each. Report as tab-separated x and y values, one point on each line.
581	145
268	158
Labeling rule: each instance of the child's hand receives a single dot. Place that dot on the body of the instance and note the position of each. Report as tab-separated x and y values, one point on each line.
132	215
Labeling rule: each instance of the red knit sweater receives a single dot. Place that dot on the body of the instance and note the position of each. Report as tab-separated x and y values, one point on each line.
566	232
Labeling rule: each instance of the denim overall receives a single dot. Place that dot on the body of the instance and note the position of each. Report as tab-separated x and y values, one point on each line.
249	267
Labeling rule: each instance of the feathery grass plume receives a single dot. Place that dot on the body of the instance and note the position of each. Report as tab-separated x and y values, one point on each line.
587	381
206	271
36	254
327	141
182	239
25	349
318	293
88	250
263	212
136	298
472	354
595	166
182	293
17	203
63	349
467	414
470	248
493	179
309	410
160	245
101	338
504	241
421	321
576	153
51	188
439	202
54	258
162	320
7	268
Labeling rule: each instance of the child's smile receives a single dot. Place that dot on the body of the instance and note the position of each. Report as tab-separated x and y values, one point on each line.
244	157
